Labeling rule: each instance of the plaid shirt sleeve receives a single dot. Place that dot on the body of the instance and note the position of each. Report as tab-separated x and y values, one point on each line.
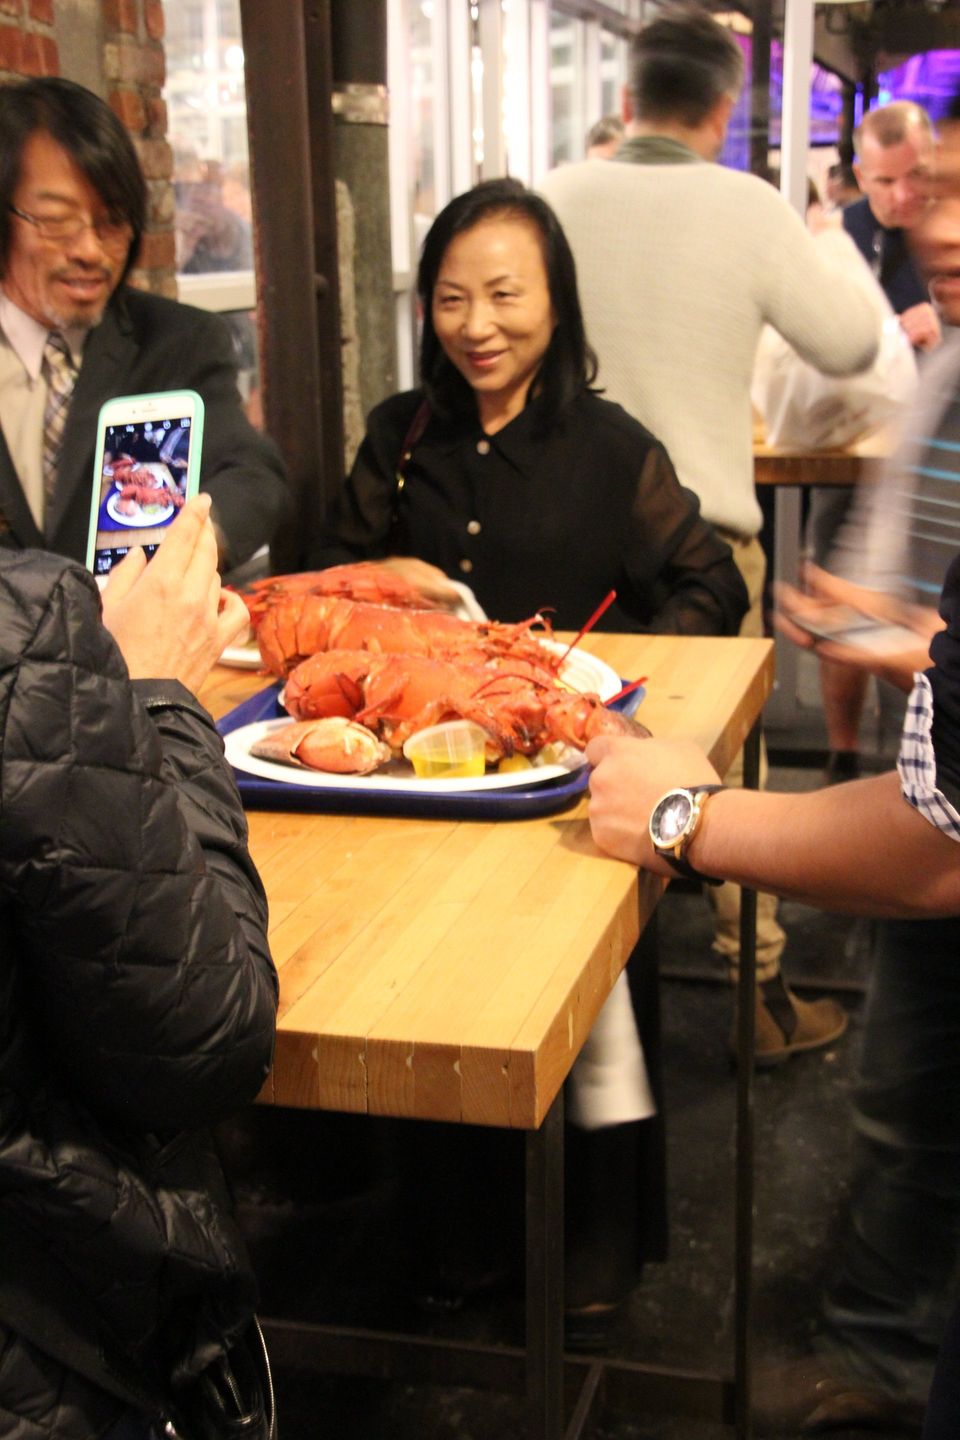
917	763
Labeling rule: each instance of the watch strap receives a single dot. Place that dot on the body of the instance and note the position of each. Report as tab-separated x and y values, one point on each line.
677	862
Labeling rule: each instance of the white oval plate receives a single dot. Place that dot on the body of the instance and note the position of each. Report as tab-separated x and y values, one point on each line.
397	775
141	518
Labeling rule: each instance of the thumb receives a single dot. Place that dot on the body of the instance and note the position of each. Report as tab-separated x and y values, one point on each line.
124	576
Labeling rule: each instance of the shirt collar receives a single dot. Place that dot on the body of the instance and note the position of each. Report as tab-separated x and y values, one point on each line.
27	337
656	150
519	443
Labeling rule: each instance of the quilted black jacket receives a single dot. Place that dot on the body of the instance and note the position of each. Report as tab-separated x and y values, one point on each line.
137	1003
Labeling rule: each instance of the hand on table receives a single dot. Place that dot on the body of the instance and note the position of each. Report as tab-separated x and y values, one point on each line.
629	776
169	616
430	580
921	326
822	595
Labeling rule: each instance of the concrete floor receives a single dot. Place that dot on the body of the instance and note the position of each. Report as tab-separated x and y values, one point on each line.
329	1248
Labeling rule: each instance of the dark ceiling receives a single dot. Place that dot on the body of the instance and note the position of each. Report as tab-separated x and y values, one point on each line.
858	39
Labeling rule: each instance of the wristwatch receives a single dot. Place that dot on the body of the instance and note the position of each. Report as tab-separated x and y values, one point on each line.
673	824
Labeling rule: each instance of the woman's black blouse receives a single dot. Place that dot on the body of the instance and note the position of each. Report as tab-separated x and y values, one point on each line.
532	518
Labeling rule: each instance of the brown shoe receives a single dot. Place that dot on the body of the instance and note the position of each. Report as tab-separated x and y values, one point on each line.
787	1025
806	1397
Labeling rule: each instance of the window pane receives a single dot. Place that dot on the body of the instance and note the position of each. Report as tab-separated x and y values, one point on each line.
422	116
207	108
613	71
568	123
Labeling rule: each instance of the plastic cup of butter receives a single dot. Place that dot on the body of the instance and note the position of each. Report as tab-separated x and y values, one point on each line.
454	750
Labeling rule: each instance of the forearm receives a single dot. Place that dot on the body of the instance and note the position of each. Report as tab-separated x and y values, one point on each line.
858	848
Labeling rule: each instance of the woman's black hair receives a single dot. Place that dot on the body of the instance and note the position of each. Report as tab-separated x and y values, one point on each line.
91	134
569	364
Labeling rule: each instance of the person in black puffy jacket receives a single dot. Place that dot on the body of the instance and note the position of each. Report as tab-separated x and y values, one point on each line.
137	993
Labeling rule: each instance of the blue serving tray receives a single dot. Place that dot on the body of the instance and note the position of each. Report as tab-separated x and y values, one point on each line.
515	803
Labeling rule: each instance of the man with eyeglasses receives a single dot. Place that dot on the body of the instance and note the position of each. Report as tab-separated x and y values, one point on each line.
73	206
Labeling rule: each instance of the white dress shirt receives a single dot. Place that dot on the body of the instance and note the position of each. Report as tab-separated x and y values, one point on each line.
23	395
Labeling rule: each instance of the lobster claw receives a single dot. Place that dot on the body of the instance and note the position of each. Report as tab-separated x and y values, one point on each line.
334	744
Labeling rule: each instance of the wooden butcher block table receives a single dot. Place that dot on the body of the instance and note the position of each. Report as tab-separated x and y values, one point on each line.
451	969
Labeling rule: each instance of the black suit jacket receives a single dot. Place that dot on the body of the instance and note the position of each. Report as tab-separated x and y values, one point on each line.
145	343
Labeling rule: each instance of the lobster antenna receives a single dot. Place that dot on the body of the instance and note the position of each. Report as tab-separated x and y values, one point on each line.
601	608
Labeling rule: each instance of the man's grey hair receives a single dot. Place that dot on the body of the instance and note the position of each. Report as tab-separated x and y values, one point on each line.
891	124
681	64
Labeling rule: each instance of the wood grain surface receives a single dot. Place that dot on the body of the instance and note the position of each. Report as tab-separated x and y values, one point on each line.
451	970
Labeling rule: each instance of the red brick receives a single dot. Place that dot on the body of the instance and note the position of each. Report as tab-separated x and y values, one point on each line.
51	55
156	159
160	203
42	10
120	15
32	63
158	251
128	106
153	65
11	7
127	69
153	19
157	116
11	49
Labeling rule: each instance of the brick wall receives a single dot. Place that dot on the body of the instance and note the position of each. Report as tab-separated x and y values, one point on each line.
132	72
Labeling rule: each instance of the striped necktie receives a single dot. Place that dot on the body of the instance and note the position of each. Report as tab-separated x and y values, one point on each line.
61	378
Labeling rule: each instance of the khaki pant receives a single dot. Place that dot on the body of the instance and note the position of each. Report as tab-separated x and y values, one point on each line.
751	563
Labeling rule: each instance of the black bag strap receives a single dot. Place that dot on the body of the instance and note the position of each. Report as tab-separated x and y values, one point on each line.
412	438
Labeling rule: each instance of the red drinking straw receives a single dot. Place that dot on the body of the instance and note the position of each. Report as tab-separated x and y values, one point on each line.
627	690
604	605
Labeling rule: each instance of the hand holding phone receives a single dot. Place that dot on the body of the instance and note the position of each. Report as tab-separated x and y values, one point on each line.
866	629
842	625
147	467
170	618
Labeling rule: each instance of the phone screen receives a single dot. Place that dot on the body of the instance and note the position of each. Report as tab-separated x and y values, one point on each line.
845	626
148	468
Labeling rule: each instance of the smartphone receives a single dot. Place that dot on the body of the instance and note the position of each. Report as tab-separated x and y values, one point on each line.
845	626
147	467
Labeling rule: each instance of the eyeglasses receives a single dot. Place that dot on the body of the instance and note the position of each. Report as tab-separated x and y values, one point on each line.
112	234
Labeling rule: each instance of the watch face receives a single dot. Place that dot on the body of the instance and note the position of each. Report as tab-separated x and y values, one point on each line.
670	818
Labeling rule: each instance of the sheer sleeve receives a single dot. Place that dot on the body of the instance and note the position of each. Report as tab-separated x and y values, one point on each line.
677	570
358	524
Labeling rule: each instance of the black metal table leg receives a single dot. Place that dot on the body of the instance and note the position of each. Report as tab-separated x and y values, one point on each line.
743	1249
544	1230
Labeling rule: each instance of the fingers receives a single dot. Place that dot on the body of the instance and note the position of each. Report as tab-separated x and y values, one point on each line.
232	619
187	535
125	575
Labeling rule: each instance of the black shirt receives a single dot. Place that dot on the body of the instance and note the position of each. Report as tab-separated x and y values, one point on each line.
945	682
888	255
539	516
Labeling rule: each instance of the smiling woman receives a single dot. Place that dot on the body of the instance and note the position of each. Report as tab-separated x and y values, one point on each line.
516	476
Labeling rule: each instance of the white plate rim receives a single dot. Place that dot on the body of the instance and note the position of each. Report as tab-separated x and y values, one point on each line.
237	744
604	679
133	521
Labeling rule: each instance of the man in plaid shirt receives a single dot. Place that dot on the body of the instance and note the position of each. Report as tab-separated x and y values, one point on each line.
885	847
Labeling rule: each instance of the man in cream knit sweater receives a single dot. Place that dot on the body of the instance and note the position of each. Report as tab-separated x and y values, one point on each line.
680	263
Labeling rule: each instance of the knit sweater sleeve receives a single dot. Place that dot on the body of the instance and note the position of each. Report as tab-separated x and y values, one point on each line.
819	294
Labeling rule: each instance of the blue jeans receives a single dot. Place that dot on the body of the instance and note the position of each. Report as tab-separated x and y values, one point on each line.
893	1288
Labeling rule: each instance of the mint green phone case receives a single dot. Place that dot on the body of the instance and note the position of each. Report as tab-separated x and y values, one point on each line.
163	405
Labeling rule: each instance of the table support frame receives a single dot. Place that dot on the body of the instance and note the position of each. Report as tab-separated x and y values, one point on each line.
555	1383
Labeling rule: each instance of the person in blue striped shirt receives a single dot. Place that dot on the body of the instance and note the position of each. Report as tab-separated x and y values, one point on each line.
886	847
